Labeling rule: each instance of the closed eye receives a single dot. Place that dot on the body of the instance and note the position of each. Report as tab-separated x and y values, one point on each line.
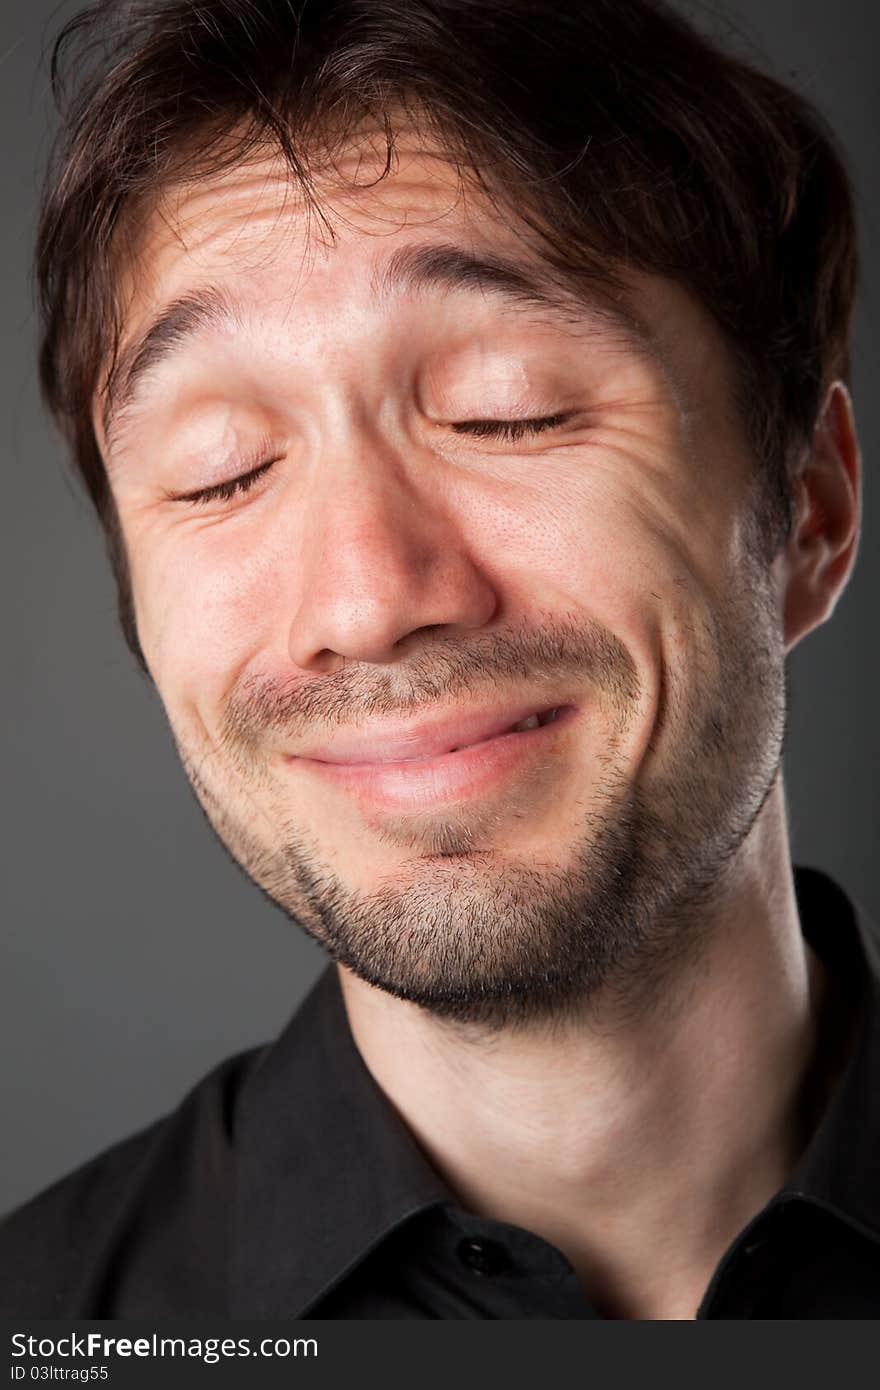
510	430
507	430
224	492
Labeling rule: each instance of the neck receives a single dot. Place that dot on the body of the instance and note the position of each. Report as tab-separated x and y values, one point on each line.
638	1150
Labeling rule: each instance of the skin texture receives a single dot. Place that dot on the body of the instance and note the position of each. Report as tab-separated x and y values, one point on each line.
594	968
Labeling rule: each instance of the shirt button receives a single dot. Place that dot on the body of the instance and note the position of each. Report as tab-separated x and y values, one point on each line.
484	1256
754	1246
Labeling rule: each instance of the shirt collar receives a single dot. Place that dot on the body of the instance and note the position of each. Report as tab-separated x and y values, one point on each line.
326	1169
839	1167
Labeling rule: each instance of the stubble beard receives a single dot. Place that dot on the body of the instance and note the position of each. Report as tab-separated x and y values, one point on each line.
492	942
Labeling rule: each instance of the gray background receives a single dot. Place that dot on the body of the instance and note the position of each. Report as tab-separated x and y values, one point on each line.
135	955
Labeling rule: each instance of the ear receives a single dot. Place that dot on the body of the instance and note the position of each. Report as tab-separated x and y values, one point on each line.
819	555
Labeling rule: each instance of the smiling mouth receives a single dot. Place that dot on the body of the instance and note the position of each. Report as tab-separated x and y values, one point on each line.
454	775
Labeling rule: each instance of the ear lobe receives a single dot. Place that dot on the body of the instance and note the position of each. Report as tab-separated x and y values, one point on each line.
821	551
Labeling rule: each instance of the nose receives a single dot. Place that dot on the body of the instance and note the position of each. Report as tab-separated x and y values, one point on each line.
383	560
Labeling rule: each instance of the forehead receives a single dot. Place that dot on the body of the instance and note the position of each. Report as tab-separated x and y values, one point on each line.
251	244
253	217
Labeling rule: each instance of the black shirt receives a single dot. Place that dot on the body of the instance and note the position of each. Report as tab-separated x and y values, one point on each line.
286	1186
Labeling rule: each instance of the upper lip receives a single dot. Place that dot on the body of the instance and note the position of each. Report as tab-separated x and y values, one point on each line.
427	739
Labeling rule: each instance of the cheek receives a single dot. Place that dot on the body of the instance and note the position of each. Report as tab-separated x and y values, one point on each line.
203	604
617	550
581	539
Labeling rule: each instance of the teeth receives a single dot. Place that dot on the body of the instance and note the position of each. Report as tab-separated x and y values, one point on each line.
531	723
534	721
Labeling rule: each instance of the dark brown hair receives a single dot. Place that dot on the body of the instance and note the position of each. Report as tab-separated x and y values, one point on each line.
608	127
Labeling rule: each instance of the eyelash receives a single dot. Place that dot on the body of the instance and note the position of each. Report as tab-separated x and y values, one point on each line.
224	492
508	430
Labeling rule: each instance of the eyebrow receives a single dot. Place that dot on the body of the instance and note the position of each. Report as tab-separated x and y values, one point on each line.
409	270
416	269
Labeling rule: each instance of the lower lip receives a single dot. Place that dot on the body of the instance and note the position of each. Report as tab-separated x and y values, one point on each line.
424	783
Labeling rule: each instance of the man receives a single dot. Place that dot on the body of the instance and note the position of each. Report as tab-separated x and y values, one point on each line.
461	386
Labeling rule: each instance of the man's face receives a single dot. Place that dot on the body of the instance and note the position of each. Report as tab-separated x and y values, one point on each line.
404	577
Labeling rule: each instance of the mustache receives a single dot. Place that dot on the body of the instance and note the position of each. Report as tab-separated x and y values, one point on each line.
445	670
